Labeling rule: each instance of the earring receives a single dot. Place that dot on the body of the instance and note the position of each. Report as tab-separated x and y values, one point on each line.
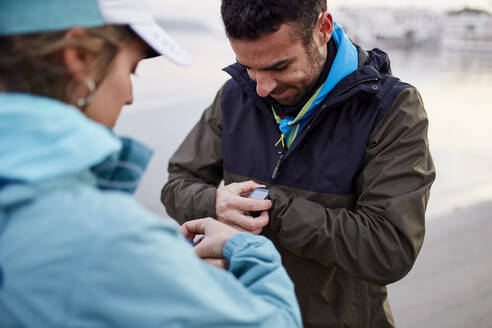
91	86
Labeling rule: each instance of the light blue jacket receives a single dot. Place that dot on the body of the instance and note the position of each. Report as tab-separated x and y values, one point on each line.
74	252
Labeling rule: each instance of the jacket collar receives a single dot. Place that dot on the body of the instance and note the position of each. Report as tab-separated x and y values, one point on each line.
44	140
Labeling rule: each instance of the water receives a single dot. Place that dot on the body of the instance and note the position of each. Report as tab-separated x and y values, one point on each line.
456	89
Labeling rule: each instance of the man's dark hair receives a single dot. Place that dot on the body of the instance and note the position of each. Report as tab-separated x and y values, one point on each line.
251	19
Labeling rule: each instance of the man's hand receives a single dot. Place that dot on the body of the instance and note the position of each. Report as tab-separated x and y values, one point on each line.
233	209
210	245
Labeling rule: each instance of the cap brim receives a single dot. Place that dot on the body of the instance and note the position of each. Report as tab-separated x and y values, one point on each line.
161	43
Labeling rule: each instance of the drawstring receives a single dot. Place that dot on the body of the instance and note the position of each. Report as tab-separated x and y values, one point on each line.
281	140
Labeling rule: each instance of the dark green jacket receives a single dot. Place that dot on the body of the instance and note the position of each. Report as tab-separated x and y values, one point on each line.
350	196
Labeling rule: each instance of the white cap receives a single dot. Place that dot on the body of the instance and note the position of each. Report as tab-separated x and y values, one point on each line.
136	14
36	16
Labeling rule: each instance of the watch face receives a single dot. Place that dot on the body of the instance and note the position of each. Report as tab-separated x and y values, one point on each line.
259	193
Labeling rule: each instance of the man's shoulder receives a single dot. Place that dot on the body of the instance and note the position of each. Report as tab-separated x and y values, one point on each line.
237	95
233	86
380	61
239	83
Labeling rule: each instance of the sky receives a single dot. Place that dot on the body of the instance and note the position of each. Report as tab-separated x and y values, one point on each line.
433	4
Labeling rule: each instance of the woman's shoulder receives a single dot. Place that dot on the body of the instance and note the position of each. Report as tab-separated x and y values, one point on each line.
76	238
68	226
97	208
83	212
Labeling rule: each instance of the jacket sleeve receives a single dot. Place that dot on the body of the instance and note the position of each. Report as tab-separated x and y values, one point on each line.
380	240
147	275
195	169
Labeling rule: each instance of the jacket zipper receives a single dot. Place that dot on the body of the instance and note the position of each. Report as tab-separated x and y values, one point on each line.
281	153
281	150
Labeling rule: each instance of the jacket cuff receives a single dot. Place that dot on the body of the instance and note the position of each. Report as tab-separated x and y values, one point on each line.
237	242
207	204
278	198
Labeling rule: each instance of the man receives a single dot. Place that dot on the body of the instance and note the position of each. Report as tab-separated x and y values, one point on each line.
339	141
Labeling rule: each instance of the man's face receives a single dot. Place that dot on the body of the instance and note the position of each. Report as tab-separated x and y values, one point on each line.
281	64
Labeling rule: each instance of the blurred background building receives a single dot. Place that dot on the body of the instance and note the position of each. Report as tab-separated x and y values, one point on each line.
416	28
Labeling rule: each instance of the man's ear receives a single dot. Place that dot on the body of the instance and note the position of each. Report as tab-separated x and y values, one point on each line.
323	29
77	60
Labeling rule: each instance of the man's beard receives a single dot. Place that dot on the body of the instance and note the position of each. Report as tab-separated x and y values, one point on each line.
314	70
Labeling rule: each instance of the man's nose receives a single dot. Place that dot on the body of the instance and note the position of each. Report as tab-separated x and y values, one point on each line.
264	84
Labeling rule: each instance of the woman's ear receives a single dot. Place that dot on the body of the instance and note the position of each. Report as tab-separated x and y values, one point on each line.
77	60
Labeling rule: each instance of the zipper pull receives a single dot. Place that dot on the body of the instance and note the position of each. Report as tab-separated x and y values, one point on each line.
280	149
277	166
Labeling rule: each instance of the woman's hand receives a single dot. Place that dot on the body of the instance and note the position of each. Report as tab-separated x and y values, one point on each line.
210	245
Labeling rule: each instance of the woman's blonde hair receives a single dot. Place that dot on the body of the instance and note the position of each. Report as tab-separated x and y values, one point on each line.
33	64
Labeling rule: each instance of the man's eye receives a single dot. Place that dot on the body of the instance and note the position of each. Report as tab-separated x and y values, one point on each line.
279	69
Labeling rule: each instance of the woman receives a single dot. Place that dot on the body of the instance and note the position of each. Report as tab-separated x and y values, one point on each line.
75	247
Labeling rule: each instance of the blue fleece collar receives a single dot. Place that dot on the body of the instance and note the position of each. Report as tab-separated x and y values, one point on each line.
346	62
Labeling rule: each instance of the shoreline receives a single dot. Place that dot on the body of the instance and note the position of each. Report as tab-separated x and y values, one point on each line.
450	284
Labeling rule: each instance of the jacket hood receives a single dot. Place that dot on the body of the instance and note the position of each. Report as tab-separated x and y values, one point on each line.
376	58
43	139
